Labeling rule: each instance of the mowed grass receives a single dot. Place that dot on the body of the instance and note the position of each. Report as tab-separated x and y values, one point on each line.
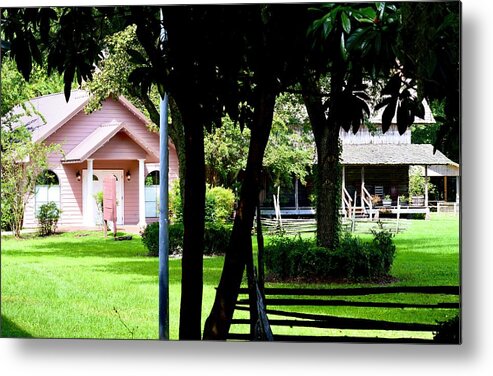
80	285
428	254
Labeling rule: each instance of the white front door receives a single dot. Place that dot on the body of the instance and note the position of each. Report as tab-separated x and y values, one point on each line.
97	186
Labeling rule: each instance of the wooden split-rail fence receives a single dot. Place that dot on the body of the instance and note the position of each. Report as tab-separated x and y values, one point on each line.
276	298
293	226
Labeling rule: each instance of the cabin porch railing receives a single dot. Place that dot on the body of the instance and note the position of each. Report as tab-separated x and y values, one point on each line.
366	200
346	203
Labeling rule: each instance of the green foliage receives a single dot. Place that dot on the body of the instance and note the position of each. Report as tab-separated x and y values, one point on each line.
290	150
219	204
19	179
150	239
353	260
226	150
47	177
175	203
449	331
417	184
22	161
16	90
175	234
114	70
216	238
48	217
98	196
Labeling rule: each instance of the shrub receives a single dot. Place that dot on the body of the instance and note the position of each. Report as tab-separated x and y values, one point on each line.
219	204
175	204
175	232
150	238
448	331
216	238
48	217
297	258
6	217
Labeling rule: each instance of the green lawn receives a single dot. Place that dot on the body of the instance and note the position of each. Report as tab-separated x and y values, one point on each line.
84	286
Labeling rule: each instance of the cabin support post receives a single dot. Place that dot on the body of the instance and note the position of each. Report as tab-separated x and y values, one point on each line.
142	213
343	186
296	204
89	217
426	185
457	189
362	185
445	193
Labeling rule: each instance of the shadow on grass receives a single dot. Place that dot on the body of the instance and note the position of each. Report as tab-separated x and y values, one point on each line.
147	268
83	247
8	329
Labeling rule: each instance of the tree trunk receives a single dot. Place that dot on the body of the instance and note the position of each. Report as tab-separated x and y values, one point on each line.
193	240
178	138
240	246
328	179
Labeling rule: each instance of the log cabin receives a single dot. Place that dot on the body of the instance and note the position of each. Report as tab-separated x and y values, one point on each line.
377	165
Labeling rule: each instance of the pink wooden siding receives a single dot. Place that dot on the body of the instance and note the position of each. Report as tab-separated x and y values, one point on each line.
120	153
173	165
120	147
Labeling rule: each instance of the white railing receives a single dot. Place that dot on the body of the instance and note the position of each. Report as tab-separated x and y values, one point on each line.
346	203
366	199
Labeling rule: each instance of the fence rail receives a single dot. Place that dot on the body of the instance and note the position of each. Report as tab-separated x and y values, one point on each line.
300	297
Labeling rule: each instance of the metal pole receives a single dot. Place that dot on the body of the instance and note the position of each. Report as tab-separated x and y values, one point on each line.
163	218
163	223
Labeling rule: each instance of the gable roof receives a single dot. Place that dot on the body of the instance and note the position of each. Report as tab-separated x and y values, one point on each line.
93	142
52	111
98	138
390	154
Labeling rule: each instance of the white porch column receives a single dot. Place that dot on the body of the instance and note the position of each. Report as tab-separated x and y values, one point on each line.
426	185
142	208
89	215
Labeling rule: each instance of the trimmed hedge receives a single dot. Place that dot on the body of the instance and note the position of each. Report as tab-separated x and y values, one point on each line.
289	258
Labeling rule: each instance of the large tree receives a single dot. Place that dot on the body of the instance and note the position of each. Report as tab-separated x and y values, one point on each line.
338	33
122	56
274	57
372	46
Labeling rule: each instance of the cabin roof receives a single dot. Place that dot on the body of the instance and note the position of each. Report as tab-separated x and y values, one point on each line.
390	154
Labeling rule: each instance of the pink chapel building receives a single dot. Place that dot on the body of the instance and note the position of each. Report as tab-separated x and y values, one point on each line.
112	140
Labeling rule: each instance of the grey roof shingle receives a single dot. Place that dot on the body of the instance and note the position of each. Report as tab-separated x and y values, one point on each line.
389	154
